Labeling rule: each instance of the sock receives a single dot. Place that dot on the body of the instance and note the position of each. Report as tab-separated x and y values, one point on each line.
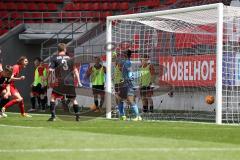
3	102
101	102
145	109
135	109
10	103
121	109
39	102
76	109
43	103
151	109
52	109
21	106
33	102
96	102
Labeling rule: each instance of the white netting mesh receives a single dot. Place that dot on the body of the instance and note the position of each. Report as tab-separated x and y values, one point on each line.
182	49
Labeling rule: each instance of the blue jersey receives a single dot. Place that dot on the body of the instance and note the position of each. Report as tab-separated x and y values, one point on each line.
126	72
126	69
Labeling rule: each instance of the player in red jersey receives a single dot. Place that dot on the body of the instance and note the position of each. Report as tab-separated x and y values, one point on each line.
17	98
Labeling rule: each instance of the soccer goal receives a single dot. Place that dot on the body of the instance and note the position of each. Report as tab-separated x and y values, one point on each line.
195	53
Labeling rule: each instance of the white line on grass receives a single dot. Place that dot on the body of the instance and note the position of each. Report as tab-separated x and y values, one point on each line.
120	150
4	125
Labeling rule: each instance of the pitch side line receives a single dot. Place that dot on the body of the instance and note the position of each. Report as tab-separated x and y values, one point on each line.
4	125
120	150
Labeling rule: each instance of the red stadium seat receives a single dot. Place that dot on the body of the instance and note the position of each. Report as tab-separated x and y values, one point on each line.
11	6
105	6
2	6
21	7
169	2
88	6
1	22
16	15
32	7
52	7
114	6
36	15
68	15
148	3
80	6
4	14
96	6
27	15
77	14
70	7
123	6
42	7
46	15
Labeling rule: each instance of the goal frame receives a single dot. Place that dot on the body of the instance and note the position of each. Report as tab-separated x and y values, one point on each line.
219	50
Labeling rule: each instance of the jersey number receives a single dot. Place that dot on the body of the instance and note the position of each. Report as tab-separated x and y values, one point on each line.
65	65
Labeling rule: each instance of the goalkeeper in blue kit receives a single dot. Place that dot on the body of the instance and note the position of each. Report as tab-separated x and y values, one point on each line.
126	90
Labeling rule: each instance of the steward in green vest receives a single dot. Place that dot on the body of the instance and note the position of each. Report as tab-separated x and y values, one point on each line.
97	73
146	79
39	86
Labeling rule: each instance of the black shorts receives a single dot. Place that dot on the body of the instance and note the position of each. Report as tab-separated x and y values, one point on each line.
39	89
64	90
146	91
124	90
98	89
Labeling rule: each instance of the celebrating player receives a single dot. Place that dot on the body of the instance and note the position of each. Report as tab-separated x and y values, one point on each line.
65	71
97	75
17	98
39	86
127	88
146	79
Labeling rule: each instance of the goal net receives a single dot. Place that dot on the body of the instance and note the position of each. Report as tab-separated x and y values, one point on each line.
195	55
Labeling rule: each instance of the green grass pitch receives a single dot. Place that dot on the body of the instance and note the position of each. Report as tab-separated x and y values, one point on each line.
36	139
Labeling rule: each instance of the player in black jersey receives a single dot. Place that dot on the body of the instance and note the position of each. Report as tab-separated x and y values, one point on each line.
5	77
65	72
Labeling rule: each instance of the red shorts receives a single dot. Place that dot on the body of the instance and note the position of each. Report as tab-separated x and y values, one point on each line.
13	89
55	96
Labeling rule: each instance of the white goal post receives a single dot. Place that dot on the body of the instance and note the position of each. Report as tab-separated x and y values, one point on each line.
194	39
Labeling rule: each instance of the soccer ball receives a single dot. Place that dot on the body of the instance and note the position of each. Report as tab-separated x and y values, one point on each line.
209	99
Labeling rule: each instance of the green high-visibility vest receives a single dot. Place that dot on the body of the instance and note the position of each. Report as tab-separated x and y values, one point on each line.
97	76
145	79
117	75
38	78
